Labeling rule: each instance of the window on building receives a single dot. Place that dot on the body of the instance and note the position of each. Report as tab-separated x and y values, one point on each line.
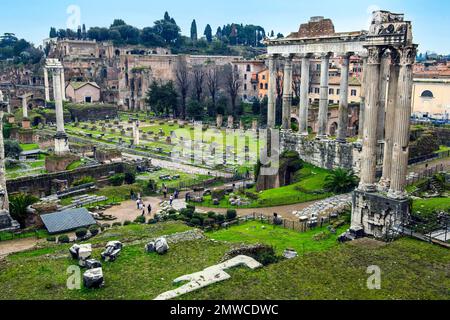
249	68
245	87
88	99
266	86
264	77
331	101
254	87
331	91
427	94
245	76
317	90
353	93
261	86
338	91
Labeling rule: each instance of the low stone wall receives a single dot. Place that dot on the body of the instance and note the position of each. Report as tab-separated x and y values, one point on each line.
43	185
327	154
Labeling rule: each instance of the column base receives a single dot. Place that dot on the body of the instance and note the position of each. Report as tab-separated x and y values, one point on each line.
383	185
61	143
397	195
367	187
379	216
7	223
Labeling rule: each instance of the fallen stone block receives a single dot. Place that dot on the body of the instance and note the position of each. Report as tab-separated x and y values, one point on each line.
93	278
93	264
161	246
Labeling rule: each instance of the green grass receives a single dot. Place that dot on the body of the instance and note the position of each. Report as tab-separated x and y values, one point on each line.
185	178
443	149
29	147
337	272
426	207
308	188
39	234
278	237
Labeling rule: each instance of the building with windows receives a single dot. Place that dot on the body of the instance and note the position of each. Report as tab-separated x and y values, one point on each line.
431	98
83	92
248	73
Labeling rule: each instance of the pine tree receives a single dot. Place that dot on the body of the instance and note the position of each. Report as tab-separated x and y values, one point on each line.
219	33
208	33
194	31
53	33
166	16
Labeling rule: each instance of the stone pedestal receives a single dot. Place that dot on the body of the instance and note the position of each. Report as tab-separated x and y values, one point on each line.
255	125
61	143
230	124
26	124
219	121
378	215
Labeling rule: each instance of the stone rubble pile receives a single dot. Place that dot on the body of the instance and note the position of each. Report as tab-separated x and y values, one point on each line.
112	251
331	206
159	246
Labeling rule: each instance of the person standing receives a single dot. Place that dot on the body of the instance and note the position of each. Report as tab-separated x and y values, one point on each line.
149	208
171	200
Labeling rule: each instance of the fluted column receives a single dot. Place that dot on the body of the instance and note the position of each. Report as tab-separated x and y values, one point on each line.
323	104
400	152
272	93
63	85
343	101
390	121
304	96
46	85
58	101
362	104
384	75
369	150
287	93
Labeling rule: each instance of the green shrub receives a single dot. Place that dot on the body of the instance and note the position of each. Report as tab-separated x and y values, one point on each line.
80	233
173	216
94	229
63	239
127	223
117	179
152	221
220	218
51	239
218	194
231	214
212	215
209	222
187	212
266	257
140	219
196	222
130	177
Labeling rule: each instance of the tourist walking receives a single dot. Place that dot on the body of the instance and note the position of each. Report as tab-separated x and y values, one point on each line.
171	200
149	208
138	203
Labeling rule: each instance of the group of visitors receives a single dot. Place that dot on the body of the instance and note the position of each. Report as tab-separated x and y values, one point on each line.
141	206
175	195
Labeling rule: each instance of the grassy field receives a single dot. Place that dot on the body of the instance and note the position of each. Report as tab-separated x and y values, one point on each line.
185	178
278	237
309	187
334	272
429	206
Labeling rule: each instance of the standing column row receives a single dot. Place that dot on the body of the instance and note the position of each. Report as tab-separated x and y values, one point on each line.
62	82
401	132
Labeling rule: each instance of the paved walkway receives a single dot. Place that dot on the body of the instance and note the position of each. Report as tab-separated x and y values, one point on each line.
127	210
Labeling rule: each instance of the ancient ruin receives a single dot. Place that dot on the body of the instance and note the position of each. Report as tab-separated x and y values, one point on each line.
389	54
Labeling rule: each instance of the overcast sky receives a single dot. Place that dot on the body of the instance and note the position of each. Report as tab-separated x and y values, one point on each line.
32	19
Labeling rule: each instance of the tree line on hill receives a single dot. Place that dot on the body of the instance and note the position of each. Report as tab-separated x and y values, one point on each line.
18	50
166	33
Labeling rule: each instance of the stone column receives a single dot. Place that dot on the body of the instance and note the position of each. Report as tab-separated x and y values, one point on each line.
362	104
61	140
46	85
323	104
369	151
390	121
4	204
63	85
343	101
287	93
271	105
401	131
136	134
304	96
384	75
24	106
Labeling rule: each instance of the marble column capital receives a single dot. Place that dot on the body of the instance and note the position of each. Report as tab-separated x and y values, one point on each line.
326	55
374	55
407	55
305	55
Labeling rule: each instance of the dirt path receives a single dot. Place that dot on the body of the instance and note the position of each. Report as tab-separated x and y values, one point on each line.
13	246
128	210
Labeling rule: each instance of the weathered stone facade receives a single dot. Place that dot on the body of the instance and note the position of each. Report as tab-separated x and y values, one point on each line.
327	154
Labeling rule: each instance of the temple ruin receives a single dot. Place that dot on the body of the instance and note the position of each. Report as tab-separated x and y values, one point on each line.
388	52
